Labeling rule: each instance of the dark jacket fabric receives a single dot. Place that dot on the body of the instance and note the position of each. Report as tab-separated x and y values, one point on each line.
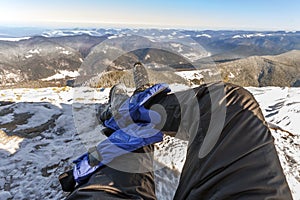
231	154
111	183
243	163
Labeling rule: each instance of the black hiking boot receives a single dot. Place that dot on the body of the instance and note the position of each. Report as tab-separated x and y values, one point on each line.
117	96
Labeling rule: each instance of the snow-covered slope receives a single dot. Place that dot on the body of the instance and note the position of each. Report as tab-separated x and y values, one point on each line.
40	136
281	108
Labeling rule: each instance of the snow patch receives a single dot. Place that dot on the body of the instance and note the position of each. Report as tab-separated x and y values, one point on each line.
177	45
147	57
59	33
251	35
10	77
280	106
66	52
231	75
171	37
203	35
193	56
112	37
6	118
63	50
116	36
28	56
14	39
62	74
152	39
190	75
9	143
41	114
184	36
35	51
236	37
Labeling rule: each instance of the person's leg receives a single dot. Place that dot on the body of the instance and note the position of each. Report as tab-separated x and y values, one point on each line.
243	163
127	177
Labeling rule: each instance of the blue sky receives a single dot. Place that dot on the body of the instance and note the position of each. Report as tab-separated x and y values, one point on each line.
195	14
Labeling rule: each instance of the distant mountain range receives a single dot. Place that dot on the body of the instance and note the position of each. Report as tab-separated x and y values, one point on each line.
226	45
47	57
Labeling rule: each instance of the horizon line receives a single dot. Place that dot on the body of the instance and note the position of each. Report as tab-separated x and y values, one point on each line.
75	24
158	28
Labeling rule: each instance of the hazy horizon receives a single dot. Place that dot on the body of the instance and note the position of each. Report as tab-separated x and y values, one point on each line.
70	26
213	15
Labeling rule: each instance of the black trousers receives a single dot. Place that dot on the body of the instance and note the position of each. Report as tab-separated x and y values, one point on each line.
231	154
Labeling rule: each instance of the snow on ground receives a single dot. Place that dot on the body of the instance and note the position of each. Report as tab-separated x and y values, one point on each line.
204	35
190	75
62	74
7	77
14	39
114	36
31	164
251	35
59	33
176	45
35	51
63	50
281	108
9	143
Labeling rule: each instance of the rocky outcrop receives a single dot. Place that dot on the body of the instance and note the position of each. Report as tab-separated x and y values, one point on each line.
28	120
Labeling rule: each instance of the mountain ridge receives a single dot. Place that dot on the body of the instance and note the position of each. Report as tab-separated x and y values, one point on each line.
40	57
280	70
